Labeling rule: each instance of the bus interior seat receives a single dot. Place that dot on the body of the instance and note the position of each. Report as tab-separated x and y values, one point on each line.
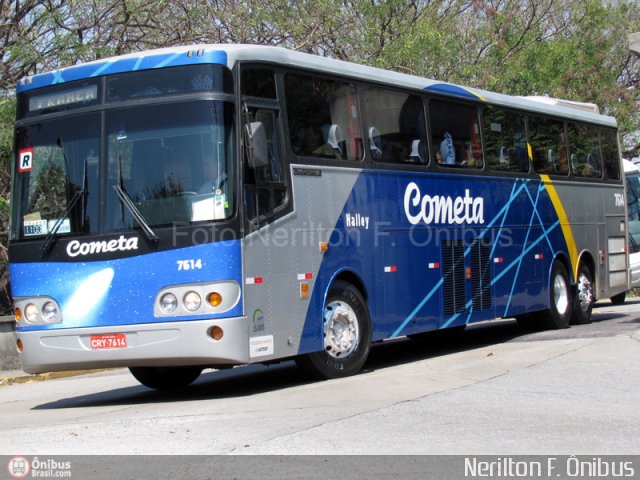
375	144
504	157
335	138
418	151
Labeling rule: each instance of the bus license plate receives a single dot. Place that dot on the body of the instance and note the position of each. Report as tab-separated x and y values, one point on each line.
115	340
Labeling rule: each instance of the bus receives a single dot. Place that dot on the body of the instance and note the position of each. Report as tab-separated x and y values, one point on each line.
219	205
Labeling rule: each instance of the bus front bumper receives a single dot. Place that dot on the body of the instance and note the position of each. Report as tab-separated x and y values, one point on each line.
153	344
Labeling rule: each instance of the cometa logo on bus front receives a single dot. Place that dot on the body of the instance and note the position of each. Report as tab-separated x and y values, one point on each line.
122	244
442	209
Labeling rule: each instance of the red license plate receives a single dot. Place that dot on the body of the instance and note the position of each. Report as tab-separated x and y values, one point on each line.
113	340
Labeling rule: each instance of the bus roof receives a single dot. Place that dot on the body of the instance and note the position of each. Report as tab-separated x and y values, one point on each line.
229	54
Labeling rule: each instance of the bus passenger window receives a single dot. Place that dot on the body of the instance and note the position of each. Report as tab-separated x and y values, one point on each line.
323	117
610	154
584	151
455	134
395	126
505	140
548	145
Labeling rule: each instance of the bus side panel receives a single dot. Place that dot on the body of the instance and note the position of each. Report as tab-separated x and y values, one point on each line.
601	211
423	271
281	256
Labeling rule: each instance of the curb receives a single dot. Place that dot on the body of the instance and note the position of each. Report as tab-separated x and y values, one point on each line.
19	377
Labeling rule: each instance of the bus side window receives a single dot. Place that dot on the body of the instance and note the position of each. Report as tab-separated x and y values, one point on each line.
505	140
610	154
584	150
454	126
549	145
323	117
395	126
265	188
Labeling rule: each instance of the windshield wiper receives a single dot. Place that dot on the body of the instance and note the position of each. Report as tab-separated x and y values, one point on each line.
78	194
126	201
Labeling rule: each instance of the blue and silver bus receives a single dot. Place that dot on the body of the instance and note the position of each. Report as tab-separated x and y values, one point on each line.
219	205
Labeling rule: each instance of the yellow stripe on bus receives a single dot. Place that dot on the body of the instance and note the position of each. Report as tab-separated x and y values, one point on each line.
564	223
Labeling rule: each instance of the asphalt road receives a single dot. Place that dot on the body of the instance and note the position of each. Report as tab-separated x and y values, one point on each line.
493	390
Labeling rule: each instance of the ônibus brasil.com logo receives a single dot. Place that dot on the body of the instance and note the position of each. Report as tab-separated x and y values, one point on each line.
19	467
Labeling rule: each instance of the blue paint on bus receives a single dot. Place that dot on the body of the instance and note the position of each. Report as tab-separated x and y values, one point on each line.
123	291
402	265
121	65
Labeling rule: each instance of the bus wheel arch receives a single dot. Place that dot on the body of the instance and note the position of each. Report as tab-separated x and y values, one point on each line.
584	290
347	331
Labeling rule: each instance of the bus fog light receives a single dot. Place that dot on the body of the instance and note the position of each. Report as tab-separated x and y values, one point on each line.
19	346
192	301
31	312
168	303
216	333
50	312
214	299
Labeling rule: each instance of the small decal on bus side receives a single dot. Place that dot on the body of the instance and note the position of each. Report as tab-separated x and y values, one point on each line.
261	346
190	264
619	199
308	172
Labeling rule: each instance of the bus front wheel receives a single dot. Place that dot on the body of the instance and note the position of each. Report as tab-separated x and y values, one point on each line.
347	335
166	378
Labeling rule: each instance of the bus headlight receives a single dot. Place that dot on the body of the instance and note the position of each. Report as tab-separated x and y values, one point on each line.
31	313
37	310
168	303
192	301
49	312
205	298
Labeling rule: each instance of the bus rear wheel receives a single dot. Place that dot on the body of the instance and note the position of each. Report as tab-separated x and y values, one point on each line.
166	378
583	299
561	299
347	335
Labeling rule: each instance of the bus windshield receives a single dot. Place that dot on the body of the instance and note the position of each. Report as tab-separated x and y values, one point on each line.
174	161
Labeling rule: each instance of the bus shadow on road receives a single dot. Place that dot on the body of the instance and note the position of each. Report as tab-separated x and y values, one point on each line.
258	379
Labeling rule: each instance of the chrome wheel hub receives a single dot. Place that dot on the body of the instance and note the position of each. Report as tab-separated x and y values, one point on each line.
341	332
585	292
560	294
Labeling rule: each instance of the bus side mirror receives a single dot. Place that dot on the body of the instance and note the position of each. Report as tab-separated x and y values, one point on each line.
256	139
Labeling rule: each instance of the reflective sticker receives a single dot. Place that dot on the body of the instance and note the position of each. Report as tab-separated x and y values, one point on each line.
261	346
65	226
25	160
35	227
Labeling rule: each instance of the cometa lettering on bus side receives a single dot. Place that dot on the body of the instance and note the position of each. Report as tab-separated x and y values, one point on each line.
122	244
442	209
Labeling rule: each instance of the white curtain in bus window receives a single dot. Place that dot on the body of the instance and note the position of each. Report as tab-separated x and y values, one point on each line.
395	126
549	146
455	134
323	117
584	150
505	140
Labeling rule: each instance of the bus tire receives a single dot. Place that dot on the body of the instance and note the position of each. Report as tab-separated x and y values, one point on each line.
347	335
618	299
583	298
561	299
166	378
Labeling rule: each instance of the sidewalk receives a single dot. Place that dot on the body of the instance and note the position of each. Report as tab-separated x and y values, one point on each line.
11	377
